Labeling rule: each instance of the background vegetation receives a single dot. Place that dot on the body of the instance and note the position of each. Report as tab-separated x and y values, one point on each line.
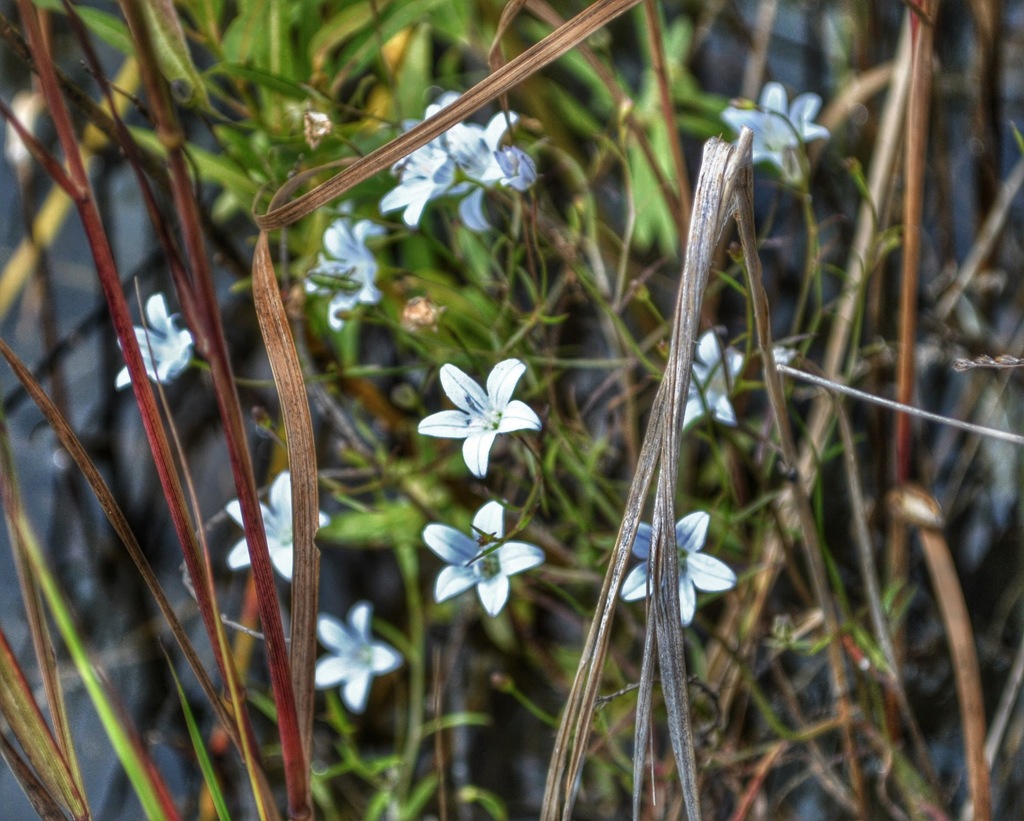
867	663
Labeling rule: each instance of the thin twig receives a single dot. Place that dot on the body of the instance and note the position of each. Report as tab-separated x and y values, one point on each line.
821	381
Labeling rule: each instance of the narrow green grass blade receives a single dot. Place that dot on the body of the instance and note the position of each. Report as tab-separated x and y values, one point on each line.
151	792
202	754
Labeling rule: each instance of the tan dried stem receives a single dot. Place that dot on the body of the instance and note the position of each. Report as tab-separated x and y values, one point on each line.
720	173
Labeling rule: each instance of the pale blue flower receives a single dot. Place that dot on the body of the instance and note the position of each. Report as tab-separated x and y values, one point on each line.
277	522
346	268
474	147
474	561
697	571
166	348
461	162
424	175
518	170
354	658
712	380
481	415
780	130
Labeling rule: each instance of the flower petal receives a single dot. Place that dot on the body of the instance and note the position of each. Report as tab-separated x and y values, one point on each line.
280	496
774	98
733	364
359	618
239	556
724	411
331	670
450	545
694	409
452	581
356	690
496	128
334	635
464	392
156	313
642	543
493	593
516	557
635	586
518	416
234	510
384	658
283	559
709	574
737	118
489	521
446	425
692	531
476	450
471	211
687	600
802	113
708	350
502	380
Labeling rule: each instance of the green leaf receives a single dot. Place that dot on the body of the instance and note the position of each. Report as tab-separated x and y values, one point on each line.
212	167
202	754
388	524
172	53
263	79
109	28
363	48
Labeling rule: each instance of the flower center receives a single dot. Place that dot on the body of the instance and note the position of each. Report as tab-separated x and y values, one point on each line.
489	566
364	657
492	419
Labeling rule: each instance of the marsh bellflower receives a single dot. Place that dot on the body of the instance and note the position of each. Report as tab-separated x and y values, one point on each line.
697	571
474	561
166	348
462	162
780	130
346	268
277	522
482	415
714	372
354	658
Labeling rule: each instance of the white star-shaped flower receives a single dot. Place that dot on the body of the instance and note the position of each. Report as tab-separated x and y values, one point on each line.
697	571
474	561
780	131
711	381
355	659
346	268
482	415
424	175
468	152
277	522
166	348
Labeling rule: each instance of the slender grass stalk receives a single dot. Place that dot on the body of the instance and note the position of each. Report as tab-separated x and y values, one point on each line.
915	154
744	211
149	786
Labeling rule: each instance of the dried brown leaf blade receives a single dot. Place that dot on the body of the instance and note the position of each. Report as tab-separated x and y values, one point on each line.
591	19
298	424
660	449
913	505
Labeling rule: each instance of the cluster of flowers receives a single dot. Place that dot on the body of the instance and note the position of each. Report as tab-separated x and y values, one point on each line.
463	163
483	559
